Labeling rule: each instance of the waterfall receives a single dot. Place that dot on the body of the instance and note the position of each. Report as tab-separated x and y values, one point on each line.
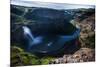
27	31
32	40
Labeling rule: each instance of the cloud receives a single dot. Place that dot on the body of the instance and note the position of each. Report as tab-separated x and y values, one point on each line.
49	5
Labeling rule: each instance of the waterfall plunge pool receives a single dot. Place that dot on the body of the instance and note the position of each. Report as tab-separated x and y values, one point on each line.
48	44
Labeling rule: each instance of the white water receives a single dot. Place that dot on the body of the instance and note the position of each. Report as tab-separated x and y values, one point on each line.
32	40
27	31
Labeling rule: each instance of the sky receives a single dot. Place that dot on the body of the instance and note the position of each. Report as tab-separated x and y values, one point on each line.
91	2
49	5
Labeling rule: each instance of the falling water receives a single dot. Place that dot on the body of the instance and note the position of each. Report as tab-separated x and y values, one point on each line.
32	40
27	31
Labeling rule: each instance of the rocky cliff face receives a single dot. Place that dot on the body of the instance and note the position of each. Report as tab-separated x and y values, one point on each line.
83	18
41	21
87	35
86	53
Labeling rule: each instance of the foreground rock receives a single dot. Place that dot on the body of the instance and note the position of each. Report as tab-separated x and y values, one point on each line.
82	55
